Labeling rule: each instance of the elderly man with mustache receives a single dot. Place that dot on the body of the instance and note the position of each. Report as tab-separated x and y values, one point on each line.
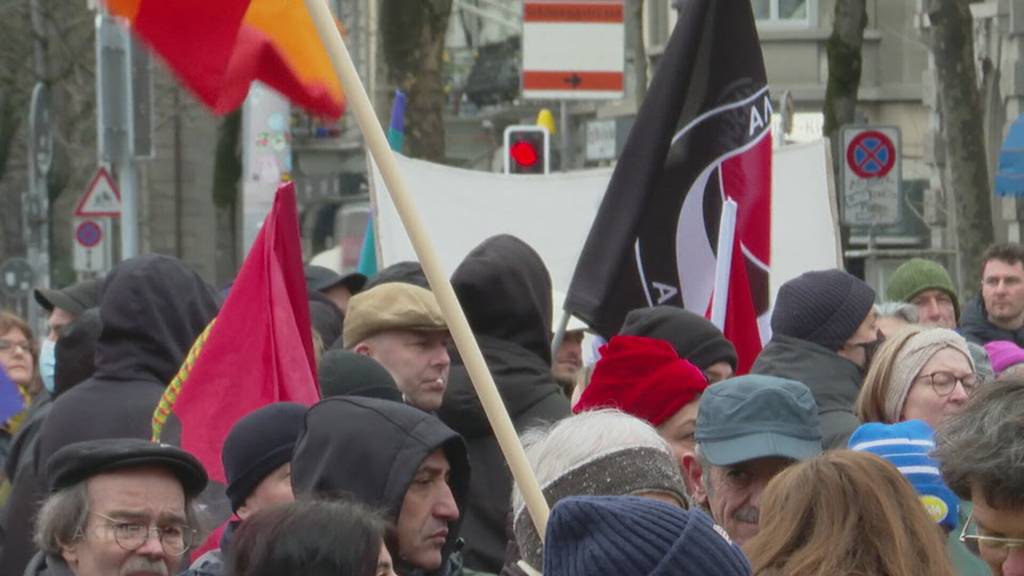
749	429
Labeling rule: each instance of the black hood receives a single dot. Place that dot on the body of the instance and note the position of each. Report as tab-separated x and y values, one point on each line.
371	448
152	309
505	290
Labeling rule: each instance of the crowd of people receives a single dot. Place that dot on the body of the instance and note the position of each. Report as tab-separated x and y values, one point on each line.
873	435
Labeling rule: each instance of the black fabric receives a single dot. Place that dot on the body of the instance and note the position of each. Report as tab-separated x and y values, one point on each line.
406	271
152	309
834	381
336	456
505	292
321	279
975	326
345	373
79	461
259	443
326	318
45	565
711	68
693	336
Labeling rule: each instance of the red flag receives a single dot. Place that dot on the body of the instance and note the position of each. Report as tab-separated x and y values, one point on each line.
260	348
218	47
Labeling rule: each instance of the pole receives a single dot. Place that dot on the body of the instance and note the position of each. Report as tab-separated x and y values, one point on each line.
40	154
563	121
377	142
723	266
126	179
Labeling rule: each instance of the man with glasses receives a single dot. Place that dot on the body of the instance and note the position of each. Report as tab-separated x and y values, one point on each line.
117	507
980	453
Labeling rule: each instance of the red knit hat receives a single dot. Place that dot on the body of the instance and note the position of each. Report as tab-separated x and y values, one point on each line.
643	377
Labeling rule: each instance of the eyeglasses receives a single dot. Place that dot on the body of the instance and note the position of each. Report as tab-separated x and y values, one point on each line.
991	547
130	536
8	346
944	382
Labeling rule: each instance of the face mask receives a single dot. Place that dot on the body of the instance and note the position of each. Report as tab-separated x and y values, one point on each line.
47	363
870	348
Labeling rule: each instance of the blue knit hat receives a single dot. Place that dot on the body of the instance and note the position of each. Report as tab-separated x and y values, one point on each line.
615	535
907	446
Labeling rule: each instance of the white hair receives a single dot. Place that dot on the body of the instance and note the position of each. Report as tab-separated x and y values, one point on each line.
555	449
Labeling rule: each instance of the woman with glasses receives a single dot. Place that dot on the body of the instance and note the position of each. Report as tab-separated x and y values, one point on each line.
18	358
923	373
918	373
843	513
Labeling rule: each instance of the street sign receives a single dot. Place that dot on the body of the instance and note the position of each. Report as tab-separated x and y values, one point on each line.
574	49
101	197
871	175
16	277
92	246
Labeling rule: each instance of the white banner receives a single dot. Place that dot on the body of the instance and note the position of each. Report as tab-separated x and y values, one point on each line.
461	208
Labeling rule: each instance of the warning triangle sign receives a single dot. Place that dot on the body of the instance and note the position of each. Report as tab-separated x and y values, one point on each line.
101	197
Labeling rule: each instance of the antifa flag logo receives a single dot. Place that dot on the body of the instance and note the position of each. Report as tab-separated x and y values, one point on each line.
723	154
701	137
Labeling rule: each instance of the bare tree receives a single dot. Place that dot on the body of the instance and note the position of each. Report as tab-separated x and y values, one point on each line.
952	47
844	70
412	36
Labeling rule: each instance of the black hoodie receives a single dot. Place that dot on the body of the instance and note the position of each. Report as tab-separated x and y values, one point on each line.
977	328
505	291
370	449
152	308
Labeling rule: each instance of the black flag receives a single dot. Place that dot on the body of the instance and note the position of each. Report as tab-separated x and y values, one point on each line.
701	136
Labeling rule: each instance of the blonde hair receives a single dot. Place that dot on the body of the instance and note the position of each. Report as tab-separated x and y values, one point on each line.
849	513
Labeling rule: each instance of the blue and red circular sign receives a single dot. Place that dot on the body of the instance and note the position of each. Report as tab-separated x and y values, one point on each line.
871	154
88	234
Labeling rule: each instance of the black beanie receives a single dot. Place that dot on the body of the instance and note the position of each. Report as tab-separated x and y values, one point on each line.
345	373
75	352
694	338
259	443
824	307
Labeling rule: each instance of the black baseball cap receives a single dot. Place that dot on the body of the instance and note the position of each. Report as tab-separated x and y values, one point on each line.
757	416
82	460
320	279
76	298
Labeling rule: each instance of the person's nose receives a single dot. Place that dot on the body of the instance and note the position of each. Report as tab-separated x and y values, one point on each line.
959	394
1014	563
441	357
446	508
152	547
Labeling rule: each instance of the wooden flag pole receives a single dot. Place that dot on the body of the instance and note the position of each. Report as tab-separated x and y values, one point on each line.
377	142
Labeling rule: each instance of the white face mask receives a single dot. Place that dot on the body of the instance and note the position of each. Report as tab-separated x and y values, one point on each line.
48	363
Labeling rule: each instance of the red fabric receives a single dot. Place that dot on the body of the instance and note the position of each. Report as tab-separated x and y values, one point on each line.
643	377
260	348
217	56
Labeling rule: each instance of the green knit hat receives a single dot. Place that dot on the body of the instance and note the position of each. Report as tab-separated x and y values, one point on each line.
917	275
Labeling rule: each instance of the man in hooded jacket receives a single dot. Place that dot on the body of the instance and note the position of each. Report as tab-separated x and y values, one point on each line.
411	467
505	291
152	308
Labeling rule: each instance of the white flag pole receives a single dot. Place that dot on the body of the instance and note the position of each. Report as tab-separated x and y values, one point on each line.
723	266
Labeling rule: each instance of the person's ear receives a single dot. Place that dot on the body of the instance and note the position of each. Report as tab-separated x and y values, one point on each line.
693	475
69	552
363	348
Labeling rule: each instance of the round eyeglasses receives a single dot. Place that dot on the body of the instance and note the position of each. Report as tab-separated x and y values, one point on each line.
130	536
945	382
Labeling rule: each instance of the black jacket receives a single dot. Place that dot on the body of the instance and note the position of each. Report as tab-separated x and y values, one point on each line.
834	381
370	449
152	308
975	326
505	292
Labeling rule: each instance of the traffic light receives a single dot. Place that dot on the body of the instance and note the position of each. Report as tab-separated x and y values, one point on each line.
526	149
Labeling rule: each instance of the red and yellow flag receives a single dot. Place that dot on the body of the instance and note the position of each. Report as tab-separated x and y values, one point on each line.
218	47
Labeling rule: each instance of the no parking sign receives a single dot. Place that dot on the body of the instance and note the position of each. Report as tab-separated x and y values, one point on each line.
871	175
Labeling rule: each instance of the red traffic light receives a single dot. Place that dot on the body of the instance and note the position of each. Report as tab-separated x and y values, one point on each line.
524	153
526	149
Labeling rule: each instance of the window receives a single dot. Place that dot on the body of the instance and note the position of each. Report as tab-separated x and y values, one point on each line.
783	11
